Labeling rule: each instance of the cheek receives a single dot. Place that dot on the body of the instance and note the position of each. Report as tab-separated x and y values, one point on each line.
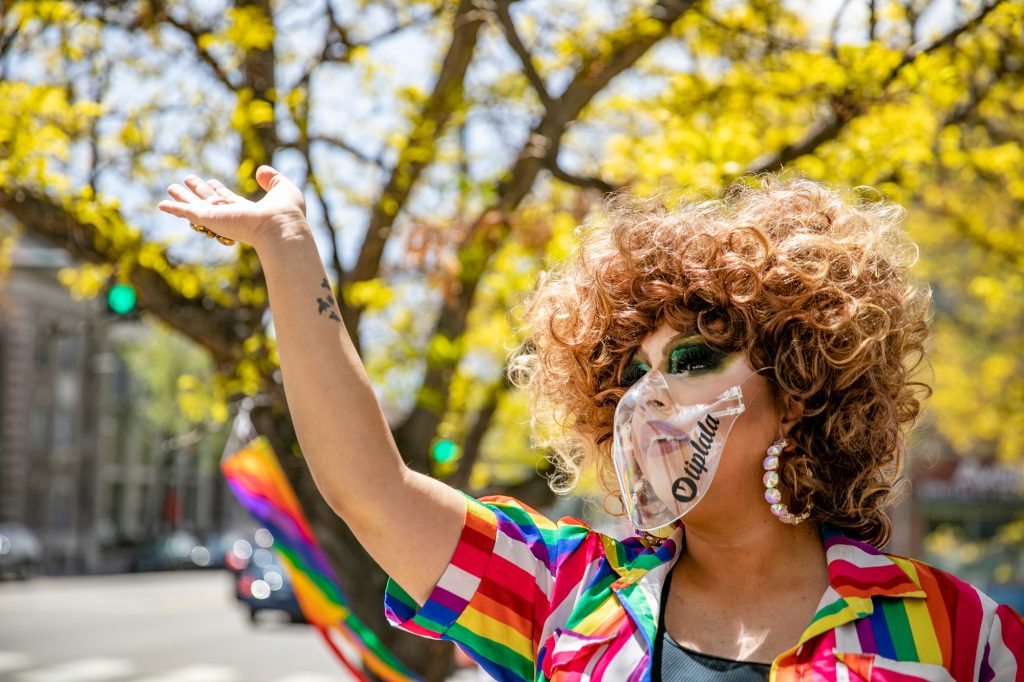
751	436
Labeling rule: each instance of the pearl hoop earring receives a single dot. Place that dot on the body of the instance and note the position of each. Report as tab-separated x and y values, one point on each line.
771	483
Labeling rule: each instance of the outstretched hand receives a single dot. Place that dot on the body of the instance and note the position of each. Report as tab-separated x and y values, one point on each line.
211	204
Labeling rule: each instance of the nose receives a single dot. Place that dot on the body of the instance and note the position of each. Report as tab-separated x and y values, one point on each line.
650	395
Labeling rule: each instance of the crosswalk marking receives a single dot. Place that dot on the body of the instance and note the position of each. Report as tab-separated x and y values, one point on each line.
82	670
195	673
123	670
13	660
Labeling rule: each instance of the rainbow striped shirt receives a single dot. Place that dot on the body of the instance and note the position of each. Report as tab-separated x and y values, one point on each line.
531	599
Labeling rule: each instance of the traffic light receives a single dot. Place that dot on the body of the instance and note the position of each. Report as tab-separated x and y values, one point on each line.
445	451
121	300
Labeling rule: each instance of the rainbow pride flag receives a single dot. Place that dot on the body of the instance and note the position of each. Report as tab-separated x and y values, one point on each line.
259	483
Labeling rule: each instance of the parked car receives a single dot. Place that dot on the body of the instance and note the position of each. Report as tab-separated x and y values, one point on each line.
266	587
249	547
20	551
216	549
169	552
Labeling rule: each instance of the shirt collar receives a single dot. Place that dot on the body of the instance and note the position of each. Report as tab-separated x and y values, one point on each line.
855	569
857	572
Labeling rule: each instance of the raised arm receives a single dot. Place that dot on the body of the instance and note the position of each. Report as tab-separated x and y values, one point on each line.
408	522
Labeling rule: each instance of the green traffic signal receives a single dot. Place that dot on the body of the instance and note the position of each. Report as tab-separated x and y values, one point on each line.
444	451
121	298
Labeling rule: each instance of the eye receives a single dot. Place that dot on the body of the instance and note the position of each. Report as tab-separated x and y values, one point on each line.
694	357
634	372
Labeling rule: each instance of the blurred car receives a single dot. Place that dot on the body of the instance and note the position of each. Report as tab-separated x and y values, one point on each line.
169	552
20	551
249	547
266	587
216	548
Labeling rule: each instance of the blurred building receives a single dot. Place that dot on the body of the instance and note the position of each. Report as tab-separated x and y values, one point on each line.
78	464
978	496
968	518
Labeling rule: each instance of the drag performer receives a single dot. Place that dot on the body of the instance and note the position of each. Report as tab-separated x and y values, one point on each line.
741	374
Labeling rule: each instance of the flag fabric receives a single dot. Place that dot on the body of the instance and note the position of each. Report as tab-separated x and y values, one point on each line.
259	483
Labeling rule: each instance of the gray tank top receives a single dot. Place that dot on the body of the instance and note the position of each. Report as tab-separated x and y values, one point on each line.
674	663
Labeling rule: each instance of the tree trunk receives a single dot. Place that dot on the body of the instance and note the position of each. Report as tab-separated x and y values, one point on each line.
361	578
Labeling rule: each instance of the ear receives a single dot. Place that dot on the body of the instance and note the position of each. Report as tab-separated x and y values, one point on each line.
792	411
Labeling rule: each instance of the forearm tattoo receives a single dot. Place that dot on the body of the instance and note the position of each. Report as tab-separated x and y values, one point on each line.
327	302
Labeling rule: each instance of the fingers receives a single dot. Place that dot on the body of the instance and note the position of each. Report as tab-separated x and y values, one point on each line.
181	194
222	191
209	206
200	187
186	203
175	209
192	212
267	177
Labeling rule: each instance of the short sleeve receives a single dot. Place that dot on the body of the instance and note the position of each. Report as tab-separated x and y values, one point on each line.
1004	651
494	596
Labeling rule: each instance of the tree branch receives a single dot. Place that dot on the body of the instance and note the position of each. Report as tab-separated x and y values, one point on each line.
490	228
579	180
334	28
299	111
475	437
259	73
58	225
6	41
204	55
975	94
843	107
419	151
501	11
312	180
833	47
918	49
1001	134
302	122
338	35
399	27
346	147
592	77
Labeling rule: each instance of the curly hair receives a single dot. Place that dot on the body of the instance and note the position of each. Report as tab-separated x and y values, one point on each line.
802	279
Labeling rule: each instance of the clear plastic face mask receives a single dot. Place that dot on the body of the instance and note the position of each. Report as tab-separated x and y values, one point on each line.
669	435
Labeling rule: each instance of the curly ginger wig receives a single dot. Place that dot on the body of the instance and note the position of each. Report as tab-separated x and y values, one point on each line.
804	281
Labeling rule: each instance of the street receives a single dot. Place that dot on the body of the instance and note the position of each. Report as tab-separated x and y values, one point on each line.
157	627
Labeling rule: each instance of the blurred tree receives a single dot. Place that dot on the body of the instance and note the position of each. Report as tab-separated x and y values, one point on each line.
178	416
173	371
441	192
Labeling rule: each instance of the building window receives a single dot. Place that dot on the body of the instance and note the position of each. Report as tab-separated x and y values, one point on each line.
63	427
67	352
60	505
38	426
117	506
123	383
42	345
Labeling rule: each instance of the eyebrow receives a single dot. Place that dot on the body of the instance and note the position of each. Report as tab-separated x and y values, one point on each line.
639	353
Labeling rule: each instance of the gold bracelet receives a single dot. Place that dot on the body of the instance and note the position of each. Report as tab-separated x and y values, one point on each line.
211	234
